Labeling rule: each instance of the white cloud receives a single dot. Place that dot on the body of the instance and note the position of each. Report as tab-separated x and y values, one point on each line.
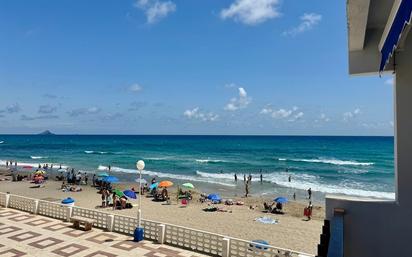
195	113
324	118
240	102
251	12
84	111
155	10
290	114
135	88
350	115
308	21
390	81
46	109
12	108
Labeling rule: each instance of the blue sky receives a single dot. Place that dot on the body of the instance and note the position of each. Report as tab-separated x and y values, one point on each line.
184	67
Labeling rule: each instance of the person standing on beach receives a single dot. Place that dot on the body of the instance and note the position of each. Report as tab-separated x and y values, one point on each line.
310	193
290	178
246	188
294	196
235	177
110	168
244	177
261	177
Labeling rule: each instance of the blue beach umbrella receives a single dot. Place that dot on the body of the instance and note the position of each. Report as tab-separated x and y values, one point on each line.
154	185
259	244
130	194
281	200
110	179
214	197
68	200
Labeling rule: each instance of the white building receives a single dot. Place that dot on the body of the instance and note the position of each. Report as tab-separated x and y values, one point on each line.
379	42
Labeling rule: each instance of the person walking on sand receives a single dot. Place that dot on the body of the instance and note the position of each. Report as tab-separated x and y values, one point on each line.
310	193
244	177
294	196
261	177
235	177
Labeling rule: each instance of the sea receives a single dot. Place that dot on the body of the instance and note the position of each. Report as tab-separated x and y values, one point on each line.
359	166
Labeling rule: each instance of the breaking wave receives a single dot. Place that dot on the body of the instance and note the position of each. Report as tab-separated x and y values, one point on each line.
330	161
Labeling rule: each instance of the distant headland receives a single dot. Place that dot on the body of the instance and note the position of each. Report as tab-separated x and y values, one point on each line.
46	133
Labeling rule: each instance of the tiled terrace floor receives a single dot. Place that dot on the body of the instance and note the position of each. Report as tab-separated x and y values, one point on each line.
22	234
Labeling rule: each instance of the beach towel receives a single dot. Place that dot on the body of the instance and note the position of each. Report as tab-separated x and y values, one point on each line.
266	220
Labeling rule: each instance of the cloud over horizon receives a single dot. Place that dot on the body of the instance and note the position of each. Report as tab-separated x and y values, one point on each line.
240	102
195	113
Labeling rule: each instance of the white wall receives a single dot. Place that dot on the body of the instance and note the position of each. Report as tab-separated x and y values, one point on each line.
384	228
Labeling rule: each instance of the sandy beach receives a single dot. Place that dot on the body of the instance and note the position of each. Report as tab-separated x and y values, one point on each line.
292	231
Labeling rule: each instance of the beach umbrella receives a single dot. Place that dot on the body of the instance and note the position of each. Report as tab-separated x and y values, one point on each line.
68	200
118	192
40	172
154	185
165	183
103	174
189	185
143	181
110	179
130	194
214	197
281	200
259	244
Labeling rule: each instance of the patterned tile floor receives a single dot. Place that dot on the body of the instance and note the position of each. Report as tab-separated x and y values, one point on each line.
22	234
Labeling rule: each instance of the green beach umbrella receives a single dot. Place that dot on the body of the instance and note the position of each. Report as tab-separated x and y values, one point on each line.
103	174
189	185
118	192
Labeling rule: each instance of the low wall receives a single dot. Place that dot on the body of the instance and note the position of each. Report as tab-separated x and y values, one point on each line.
178	236
373	228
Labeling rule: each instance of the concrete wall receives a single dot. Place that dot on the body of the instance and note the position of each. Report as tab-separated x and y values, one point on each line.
384	228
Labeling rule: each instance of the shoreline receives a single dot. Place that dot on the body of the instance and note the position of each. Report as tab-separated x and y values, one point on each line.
291	232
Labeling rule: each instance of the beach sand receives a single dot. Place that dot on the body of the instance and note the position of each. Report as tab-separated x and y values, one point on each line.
292	231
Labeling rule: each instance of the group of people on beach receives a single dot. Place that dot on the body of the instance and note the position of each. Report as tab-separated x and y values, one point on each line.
10	163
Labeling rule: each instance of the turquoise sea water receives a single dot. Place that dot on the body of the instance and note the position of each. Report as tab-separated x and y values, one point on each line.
347	165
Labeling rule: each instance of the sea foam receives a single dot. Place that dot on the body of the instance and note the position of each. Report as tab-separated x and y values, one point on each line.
330	161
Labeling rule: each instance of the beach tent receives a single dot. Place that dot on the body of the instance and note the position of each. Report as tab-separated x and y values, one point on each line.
130	194
189	185
110	179
281	200
214	197
165	183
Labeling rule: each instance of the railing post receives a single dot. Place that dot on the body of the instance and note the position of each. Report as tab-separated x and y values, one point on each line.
69	211
110	222
161	231
226	247
36	207
7	200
